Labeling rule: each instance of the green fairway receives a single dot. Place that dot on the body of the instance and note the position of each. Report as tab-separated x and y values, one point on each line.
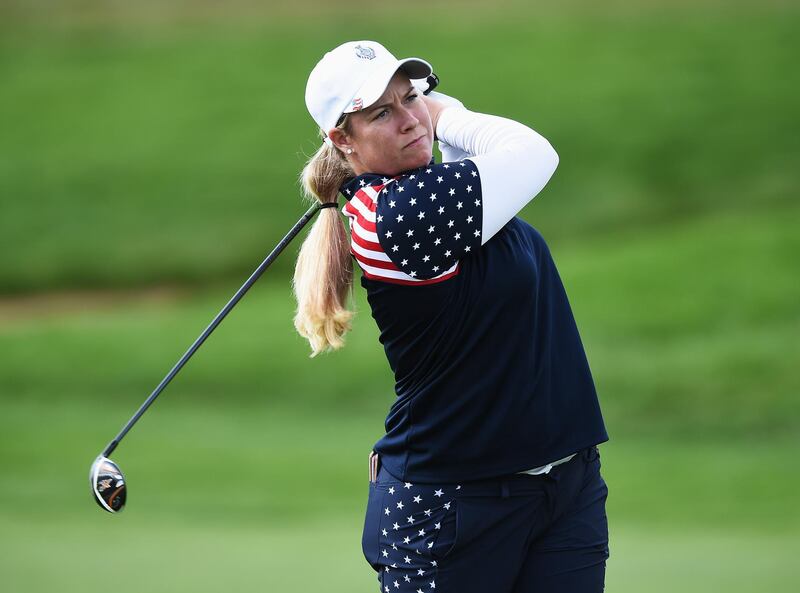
225	499
148	162
325	555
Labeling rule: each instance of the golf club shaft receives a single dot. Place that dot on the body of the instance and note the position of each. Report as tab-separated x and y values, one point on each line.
212	326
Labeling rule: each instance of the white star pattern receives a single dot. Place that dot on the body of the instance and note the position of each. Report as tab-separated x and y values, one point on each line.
400	212
410	554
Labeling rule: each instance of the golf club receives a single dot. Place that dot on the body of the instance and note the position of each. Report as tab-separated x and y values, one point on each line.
106	479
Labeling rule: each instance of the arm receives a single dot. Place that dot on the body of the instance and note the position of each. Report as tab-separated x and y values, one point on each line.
513	161
436	102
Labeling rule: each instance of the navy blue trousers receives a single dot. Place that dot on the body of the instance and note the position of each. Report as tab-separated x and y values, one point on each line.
518	534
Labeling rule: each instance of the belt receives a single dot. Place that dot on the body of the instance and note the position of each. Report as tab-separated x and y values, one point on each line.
375	469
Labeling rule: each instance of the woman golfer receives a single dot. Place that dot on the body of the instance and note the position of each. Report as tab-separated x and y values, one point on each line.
488	477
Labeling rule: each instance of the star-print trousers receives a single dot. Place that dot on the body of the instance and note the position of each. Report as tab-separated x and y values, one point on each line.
517	534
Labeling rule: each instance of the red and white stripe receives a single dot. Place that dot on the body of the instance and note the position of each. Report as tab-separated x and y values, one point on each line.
365	246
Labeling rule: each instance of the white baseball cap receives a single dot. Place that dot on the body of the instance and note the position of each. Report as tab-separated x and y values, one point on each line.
352	77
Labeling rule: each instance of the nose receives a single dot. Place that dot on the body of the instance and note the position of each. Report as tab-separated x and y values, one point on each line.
409	120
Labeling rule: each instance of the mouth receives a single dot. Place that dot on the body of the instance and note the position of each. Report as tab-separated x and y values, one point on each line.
414	142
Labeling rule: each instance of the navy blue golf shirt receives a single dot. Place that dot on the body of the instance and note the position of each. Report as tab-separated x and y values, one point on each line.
491	376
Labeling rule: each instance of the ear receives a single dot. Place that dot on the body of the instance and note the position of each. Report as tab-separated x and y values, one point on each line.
340	139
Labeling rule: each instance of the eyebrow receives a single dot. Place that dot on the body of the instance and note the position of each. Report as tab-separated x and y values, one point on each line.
372	108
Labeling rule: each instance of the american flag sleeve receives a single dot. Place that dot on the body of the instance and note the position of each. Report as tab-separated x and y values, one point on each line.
428	220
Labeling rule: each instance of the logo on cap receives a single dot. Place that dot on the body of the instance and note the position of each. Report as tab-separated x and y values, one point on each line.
357	104
365	53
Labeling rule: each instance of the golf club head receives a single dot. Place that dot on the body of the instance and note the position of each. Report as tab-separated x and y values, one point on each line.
108	484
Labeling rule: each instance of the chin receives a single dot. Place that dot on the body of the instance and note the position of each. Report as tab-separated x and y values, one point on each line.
422	158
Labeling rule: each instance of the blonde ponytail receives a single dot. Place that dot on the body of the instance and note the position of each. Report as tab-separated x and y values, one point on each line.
323	275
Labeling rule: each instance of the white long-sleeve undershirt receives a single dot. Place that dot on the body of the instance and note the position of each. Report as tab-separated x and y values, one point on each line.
514	161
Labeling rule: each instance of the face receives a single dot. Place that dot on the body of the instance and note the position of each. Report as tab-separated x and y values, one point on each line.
392	135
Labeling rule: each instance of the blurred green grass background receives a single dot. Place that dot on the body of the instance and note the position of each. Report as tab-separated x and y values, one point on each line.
148	158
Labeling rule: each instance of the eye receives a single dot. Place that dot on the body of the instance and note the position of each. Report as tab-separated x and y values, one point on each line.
381	114
412	97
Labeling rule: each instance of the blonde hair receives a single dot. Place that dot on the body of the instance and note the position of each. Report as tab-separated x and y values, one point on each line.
323	275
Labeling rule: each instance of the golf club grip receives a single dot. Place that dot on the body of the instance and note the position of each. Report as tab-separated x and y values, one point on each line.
212	326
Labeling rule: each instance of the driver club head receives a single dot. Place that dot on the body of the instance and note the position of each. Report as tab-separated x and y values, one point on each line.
108	484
